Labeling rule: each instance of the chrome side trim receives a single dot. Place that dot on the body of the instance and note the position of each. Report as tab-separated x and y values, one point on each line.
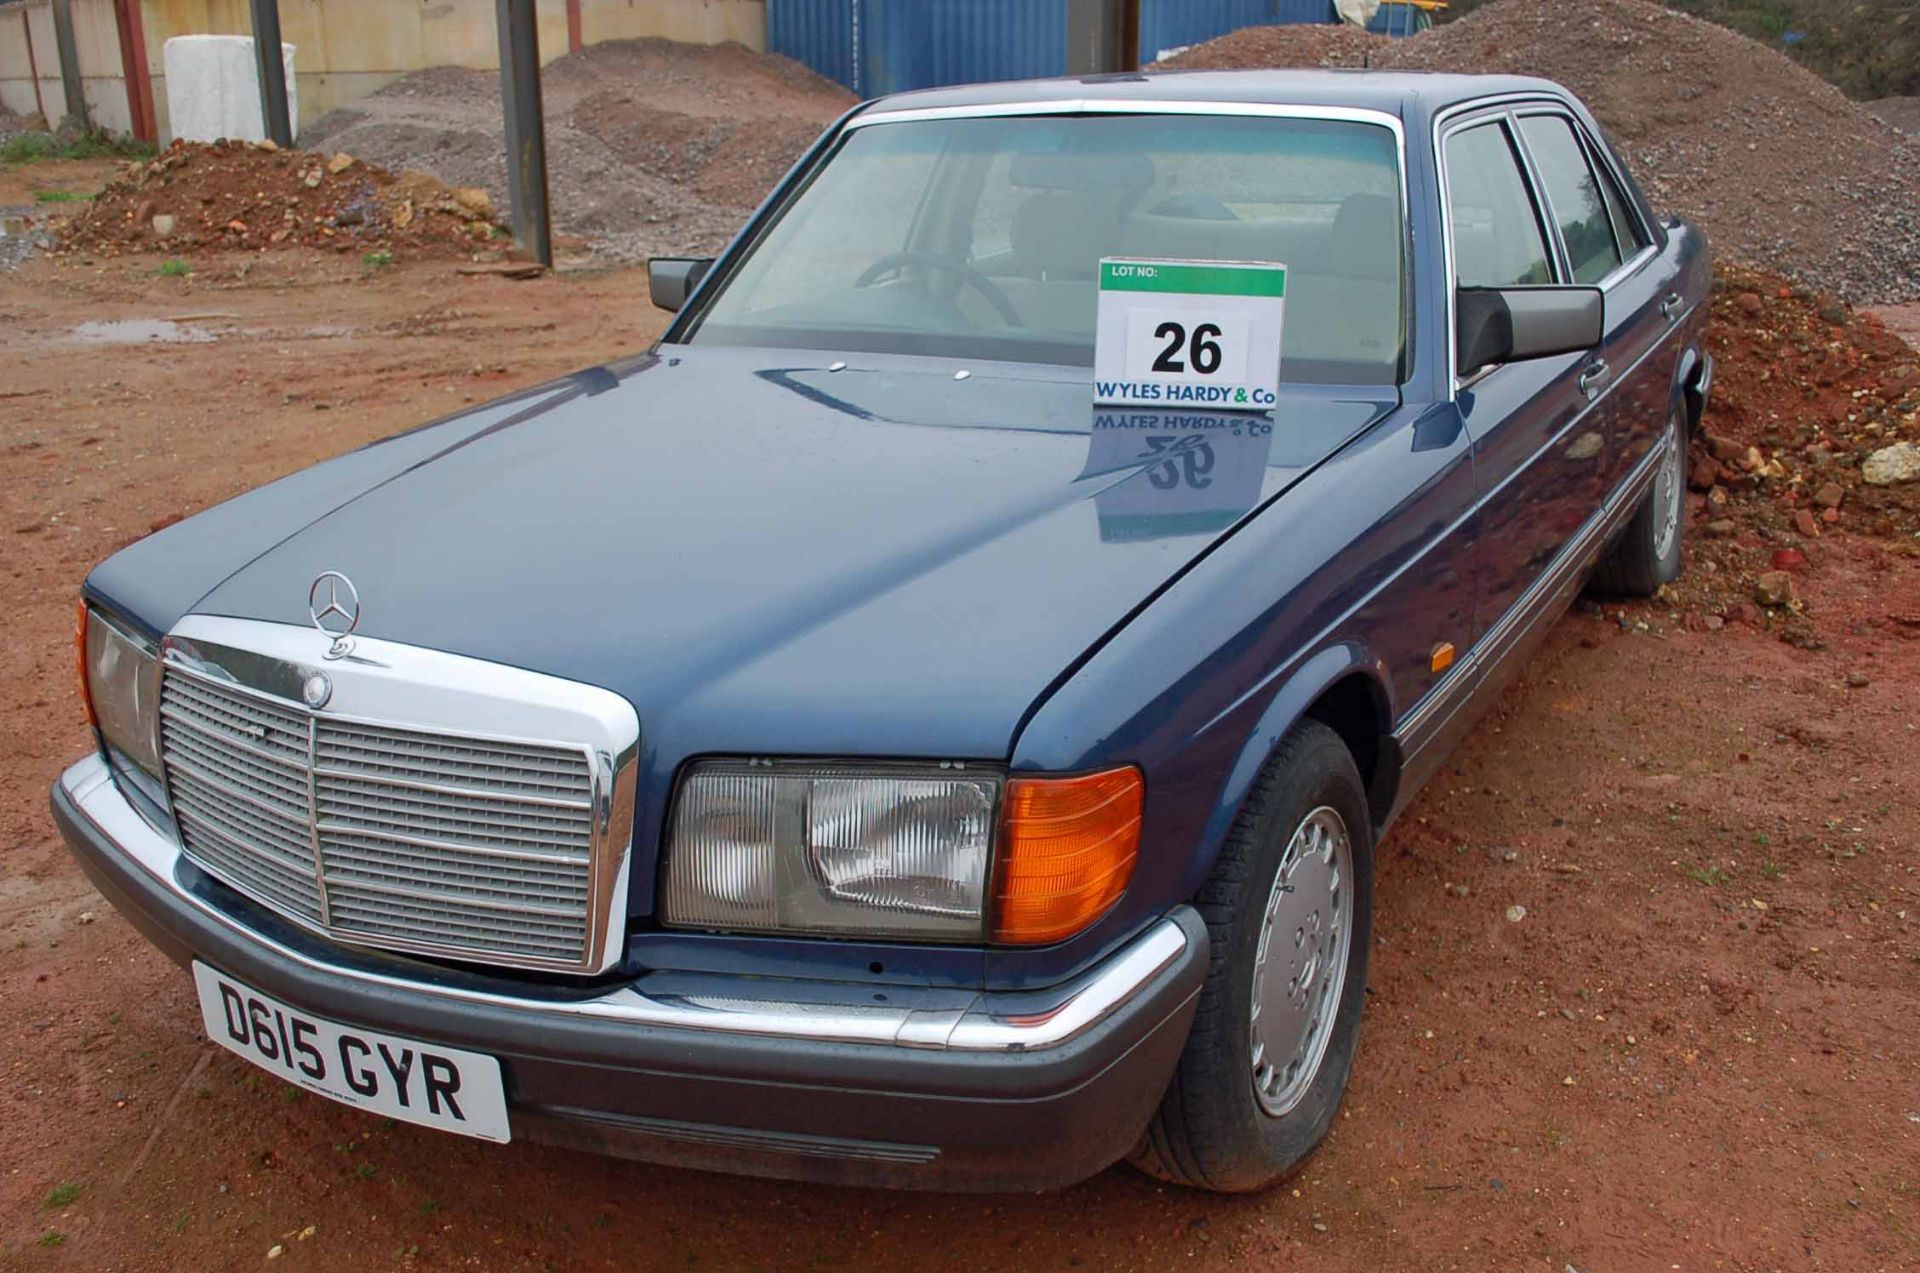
384	684
950	1021
1536	605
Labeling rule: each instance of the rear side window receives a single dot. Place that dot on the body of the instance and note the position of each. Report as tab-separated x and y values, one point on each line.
1573	193
1626	227
1497	240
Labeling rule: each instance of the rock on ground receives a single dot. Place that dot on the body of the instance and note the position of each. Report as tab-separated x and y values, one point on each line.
1890	465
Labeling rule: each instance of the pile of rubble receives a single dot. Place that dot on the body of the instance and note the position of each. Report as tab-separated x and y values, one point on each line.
1812	435
243	196
1776	164
653	147
1303	44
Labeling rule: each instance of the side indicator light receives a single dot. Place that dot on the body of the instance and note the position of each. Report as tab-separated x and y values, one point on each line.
1442	658
1067	852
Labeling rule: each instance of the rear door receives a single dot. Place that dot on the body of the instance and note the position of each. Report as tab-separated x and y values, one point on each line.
1538	448
1605	244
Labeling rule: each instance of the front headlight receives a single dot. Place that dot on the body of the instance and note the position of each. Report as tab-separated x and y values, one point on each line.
122	685
876	851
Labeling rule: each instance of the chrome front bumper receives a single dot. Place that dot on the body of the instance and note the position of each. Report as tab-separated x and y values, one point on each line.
915	1086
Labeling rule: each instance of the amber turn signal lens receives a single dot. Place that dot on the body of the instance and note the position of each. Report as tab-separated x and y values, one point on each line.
1067	849
80	657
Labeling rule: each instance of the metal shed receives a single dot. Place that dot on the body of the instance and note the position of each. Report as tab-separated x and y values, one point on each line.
886	46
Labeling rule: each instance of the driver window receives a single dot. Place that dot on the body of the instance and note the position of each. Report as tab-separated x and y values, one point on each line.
1497	239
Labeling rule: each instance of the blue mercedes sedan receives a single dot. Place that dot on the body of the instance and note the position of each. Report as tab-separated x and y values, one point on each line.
928	720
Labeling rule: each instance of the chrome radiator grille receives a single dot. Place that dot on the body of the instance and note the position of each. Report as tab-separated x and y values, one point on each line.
389	836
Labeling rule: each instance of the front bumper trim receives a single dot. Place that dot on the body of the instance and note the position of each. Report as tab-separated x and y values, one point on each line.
962	1021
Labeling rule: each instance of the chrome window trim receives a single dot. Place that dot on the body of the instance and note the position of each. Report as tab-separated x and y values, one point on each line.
385	684
1511	106
1133	106
952	1021
1590	149
1459	118
1596	149
1256	110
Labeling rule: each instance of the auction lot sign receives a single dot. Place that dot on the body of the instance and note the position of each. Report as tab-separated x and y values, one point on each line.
1189	334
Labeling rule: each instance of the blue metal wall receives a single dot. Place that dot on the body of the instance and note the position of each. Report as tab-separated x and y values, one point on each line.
889	46
818	33
921	43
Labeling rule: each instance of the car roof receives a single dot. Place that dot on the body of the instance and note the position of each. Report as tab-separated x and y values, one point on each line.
1413	96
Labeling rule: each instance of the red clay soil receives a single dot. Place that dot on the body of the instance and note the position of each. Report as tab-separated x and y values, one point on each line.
236	196
1698	1048
1805	391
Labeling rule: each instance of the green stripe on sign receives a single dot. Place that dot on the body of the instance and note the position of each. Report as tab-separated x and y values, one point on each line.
1205	280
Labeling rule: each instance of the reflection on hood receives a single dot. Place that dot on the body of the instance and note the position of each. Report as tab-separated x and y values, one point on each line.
1194	473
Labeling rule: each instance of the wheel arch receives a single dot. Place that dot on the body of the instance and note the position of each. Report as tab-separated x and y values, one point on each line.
1343	687
1692	382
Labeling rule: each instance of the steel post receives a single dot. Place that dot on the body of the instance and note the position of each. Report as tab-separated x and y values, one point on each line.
270	59
69	52
526	128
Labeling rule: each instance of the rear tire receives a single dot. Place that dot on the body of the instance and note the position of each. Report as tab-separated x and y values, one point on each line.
1278	1021
1651	549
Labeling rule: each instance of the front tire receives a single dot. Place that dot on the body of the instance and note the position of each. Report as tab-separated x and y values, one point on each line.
1650	550
1289	910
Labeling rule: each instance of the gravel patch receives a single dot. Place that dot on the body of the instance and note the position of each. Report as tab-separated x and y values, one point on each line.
653	147
1778	166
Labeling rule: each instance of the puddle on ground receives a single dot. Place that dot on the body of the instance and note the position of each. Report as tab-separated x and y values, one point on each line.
134	331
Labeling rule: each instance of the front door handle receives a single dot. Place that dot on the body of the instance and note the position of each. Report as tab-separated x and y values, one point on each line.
1671	305
1594	378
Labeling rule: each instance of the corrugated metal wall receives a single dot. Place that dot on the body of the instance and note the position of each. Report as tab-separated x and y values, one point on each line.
920	43
888	46
819	33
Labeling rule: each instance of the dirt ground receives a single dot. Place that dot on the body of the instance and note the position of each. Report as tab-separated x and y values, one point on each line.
1699	1049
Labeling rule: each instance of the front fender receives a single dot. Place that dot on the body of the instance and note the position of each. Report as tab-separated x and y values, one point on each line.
1287	706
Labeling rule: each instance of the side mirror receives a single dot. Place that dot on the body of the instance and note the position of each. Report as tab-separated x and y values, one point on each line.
1506	324
671	279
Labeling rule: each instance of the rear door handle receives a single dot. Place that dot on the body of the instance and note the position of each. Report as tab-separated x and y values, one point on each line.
1593	378
1671	305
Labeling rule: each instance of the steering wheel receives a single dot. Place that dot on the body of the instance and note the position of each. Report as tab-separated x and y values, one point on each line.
969	275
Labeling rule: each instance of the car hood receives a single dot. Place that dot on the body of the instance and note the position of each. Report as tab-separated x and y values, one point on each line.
759	551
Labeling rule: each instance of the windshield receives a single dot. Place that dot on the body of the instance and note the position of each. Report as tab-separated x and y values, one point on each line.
981	238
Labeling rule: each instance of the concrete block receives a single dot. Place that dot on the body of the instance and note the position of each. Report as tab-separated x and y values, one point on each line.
213	88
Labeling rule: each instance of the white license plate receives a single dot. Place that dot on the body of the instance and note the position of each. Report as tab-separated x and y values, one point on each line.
424	1083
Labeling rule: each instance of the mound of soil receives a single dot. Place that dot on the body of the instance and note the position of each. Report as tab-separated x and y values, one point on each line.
1779	167
238	196
1294	45
653	147
1805	389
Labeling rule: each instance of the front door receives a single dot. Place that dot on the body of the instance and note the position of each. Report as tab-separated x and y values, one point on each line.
1539	444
